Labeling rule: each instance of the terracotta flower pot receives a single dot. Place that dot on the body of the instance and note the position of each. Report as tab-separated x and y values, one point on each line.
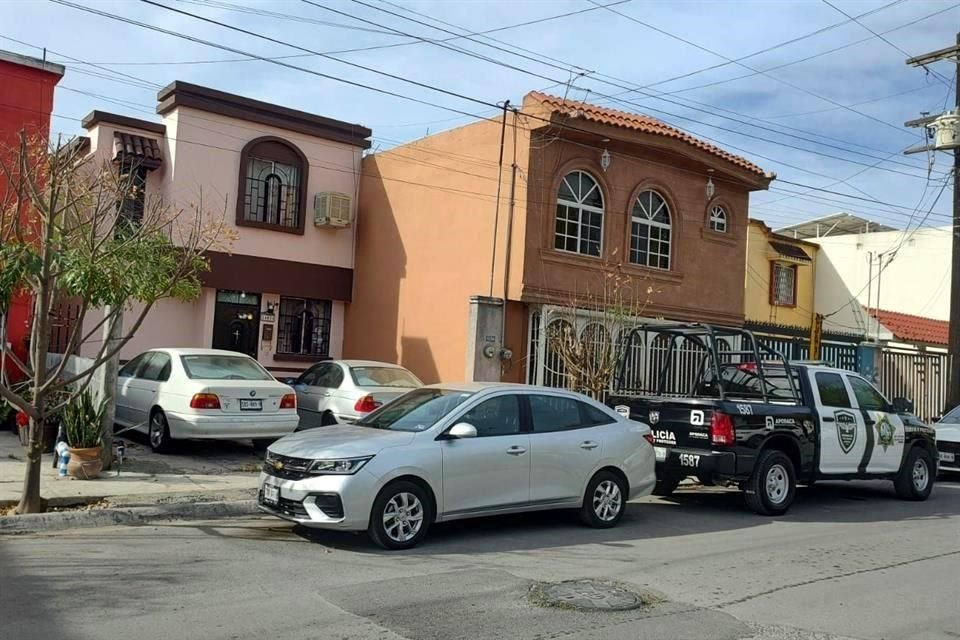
85	464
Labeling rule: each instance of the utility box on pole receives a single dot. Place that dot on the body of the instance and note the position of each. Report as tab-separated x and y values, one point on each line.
944	135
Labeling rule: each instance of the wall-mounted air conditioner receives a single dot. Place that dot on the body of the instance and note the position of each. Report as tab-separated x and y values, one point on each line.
332	210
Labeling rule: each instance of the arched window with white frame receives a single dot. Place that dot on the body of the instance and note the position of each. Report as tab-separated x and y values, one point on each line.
579	220
718	219
650	231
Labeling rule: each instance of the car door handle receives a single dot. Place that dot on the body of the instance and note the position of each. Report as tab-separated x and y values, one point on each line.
589	444
827	419
516	451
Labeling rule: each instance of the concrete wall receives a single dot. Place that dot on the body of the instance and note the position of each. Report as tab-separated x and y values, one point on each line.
757	299
916	281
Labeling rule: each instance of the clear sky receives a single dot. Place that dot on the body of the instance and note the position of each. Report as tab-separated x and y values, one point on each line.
821	103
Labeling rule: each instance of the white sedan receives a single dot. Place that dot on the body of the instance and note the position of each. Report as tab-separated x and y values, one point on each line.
176	394
948	441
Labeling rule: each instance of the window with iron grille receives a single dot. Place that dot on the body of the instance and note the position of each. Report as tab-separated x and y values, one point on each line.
718	220
133	183
579	220
272	182
650	231
304	327
783	285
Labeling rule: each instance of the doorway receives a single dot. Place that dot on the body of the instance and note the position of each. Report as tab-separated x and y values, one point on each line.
236	322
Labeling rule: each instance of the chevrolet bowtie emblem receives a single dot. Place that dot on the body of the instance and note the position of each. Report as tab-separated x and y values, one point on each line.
278	465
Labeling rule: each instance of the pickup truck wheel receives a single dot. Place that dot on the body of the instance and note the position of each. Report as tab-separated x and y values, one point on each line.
915	480
773	485
666	484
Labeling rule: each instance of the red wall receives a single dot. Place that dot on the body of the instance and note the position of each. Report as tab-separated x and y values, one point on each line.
26	101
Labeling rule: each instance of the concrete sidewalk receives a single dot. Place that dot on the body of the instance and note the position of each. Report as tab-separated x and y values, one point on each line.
198	471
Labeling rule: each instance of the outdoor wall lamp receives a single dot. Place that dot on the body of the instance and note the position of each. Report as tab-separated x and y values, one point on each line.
711	189
270	307
605	156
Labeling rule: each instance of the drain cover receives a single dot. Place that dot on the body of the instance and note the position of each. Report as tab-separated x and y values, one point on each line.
590	595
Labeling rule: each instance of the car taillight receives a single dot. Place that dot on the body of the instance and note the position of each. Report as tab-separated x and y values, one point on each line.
289	401
366	404
721	429
205	401
648	437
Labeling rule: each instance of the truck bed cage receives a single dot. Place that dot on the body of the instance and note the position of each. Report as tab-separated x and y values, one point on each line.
749	354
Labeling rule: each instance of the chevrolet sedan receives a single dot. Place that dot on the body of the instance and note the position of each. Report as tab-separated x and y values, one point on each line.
447	452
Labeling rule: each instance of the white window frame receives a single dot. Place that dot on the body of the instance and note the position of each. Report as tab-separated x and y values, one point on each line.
581	208
647	219
718	219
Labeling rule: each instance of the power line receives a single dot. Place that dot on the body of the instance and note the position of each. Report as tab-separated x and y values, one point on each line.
614	84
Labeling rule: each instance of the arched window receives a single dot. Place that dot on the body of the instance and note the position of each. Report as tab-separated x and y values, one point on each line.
650	231
718	220
579	223
273	179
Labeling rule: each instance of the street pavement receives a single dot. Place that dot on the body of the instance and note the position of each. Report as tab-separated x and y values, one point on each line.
849	561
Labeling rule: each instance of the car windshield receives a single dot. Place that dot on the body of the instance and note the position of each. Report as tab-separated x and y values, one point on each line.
953	417
216	367
415	411
383	377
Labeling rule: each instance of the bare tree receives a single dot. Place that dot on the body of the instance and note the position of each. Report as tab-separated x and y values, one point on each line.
67	229
587	340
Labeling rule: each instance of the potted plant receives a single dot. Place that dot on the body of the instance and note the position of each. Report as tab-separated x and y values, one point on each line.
82	420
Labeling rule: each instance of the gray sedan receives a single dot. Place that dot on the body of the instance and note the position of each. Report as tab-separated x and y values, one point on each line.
343	391
447	452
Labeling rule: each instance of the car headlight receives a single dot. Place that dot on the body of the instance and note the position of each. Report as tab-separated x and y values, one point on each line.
343	467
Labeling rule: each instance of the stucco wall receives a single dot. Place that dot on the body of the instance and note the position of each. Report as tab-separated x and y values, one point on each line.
757	301
426	226
917	281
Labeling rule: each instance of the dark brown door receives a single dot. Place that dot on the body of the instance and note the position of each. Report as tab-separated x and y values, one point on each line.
236	322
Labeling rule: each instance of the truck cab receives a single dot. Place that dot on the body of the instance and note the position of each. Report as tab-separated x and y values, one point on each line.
746	417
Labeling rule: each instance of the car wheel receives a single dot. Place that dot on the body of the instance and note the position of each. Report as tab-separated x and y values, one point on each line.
773	485
327	419
604	501
666	484
400	516
915	480
159	433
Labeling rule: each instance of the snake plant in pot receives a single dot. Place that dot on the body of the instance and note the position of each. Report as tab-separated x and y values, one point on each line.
82	420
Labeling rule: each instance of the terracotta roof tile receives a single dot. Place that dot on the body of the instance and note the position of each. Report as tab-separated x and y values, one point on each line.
910	328
637	122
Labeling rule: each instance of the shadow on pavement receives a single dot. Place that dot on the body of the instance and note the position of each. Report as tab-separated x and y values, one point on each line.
687	512
26	610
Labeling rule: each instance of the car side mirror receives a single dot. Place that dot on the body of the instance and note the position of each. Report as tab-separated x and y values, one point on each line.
902	405
462	430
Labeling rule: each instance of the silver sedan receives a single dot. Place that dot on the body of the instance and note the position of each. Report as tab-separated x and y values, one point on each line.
446	452
343	391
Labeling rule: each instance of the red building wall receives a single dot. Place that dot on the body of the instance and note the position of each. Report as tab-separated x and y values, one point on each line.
26	102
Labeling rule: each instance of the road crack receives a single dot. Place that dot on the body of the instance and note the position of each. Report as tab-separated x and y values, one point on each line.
838	576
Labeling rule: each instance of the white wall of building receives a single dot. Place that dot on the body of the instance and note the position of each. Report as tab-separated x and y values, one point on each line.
916	280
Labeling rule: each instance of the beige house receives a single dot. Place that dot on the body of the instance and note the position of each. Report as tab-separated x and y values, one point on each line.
454	281
288	182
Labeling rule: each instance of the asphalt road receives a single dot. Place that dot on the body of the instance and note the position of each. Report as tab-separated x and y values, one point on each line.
849	561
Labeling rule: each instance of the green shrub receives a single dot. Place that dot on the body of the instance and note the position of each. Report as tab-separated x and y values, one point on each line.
82	420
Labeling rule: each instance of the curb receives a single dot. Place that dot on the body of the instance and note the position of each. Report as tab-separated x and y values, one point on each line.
42	522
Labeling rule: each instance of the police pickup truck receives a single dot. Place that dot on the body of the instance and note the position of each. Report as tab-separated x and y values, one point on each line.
729	411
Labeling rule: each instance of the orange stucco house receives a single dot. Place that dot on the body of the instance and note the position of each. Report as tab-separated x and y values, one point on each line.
456	283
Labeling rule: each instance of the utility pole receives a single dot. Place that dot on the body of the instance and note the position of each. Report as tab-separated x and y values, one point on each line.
945	134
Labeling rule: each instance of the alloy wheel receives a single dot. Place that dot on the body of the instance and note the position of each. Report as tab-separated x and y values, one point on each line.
921	475
403	517
777	484
607	500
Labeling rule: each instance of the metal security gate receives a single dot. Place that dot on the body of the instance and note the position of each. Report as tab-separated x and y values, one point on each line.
920	376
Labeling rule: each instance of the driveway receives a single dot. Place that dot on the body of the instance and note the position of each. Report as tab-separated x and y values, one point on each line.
849	561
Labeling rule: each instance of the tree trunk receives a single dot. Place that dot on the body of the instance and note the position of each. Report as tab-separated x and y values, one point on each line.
112	332
30	500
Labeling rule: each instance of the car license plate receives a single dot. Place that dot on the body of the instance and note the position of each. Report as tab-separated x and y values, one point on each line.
660	453
947	457
271	494
251	405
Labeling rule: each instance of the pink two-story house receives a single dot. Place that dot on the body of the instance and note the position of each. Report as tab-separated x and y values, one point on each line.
288	183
